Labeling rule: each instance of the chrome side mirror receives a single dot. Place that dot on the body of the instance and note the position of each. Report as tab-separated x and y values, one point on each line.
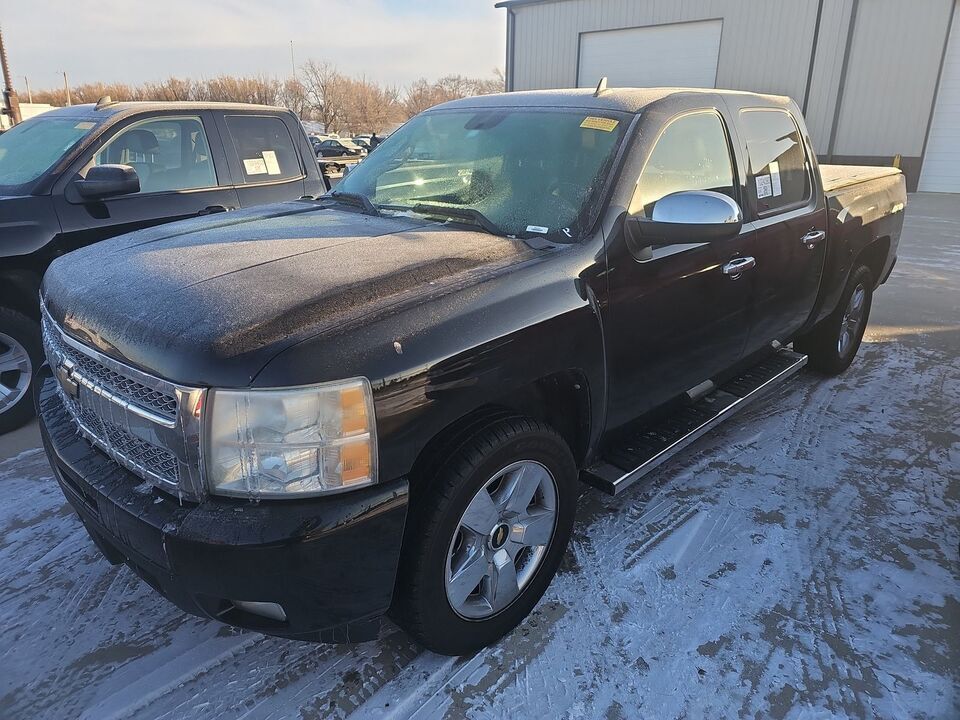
688	216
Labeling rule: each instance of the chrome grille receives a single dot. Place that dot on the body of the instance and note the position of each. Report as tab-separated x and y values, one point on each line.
149	425
127	388
140	455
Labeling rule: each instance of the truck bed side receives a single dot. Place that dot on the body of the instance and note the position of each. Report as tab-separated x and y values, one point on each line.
865	207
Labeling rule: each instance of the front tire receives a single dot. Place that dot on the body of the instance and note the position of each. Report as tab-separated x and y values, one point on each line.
833	343
21	354
485	536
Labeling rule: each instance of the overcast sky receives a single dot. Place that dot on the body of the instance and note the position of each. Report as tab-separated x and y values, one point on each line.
392	41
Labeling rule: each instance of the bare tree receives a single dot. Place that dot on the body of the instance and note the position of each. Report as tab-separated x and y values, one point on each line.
171	89
261	90
321	92
327	93
293	95
423	94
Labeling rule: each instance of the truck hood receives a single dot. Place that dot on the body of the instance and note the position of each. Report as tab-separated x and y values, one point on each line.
210	301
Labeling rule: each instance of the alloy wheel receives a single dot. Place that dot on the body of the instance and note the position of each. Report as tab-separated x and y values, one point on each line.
852	319
501	540
16	371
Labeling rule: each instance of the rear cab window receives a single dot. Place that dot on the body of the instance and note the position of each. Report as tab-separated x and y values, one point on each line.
779	175
264	148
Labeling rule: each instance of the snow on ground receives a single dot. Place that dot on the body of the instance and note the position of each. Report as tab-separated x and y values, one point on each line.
800	561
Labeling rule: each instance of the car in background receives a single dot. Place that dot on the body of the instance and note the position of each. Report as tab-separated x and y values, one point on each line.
340	147
363	142
76	175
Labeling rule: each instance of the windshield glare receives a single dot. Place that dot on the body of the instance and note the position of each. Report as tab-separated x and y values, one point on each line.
27	150
528	171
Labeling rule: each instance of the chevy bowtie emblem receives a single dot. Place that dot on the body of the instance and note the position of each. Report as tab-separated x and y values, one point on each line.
65	377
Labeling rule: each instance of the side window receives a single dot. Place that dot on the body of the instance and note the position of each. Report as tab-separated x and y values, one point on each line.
264	147
778	164
168	154
692	153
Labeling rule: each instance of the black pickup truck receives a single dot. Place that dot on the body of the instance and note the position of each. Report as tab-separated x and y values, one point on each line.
80	174
300	417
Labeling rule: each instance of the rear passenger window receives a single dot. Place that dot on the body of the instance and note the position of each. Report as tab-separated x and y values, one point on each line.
778	176
692	153
264	148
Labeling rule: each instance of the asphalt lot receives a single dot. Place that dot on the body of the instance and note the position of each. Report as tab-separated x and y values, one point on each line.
799	562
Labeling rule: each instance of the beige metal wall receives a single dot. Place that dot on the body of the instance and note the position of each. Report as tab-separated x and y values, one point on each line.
892	76
766	46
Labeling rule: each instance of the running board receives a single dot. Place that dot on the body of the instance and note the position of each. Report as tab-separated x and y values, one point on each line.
650	446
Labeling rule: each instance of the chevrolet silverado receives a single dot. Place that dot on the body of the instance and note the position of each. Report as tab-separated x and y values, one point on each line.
300	417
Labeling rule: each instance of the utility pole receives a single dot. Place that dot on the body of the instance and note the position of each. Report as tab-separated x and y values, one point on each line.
11	105
26	81
293	65
66	88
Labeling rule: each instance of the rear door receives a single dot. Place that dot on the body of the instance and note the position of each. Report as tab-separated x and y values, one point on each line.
264	159
182	173
674	318
789	218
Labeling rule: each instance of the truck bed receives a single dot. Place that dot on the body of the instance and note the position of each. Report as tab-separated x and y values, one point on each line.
835	177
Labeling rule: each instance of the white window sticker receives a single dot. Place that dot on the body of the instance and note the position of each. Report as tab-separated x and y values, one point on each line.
255	166
538	229
270	160
775	179
763	186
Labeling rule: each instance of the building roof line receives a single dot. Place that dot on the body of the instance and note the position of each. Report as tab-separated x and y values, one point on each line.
515	3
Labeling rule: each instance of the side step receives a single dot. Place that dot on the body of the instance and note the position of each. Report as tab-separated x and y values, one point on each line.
649	447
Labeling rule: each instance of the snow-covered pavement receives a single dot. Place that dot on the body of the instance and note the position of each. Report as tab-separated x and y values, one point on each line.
801	561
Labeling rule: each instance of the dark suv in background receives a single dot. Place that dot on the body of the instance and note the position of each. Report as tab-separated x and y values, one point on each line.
80	174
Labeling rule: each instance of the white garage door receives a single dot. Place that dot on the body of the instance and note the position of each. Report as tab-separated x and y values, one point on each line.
677	55
941	162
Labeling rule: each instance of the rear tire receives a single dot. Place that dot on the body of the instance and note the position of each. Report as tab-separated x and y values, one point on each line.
461	586
833	343
21	355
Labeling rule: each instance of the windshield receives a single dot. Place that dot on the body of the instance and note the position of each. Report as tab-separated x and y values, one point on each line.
30	148
527	171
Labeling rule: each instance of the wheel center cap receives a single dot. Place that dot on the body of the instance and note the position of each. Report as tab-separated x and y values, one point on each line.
499	536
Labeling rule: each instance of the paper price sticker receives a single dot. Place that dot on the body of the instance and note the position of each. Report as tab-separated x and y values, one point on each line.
599	123
270	162
764	187
255	166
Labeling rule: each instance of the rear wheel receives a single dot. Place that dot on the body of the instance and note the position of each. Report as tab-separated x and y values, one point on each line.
485	536
832	345
20	356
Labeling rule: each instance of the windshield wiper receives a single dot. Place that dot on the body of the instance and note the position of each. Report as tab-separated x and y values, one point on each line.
470	215
356	199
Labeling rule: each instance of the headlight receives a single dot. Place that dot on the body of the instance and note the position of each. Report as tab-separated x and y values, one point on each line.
291	442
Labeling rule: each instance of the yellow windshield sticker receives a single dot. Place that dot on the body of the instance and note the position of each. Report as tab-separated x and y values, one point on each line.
83	126
599	123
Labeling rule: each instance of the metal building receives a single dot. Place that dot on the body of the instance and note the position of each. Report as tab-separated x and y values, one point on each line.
876	78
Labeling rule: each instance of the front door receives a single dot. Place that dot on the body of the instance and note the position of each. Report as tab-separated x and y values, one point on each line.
178	179
674	318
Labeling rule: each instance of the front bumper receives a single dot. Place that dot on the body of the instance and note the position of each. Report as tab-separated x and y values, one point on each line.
330	563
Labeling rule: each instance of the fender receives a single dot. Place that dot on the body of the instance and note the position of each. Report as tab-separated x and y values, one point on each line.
432	364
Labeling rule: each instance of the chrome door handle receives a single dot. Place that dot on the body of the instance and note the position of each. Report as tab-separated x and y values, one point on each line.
813	238
737	266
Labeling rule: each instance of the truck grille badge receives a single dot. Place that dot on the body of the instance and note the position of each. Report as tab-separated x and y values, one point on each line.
64	374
